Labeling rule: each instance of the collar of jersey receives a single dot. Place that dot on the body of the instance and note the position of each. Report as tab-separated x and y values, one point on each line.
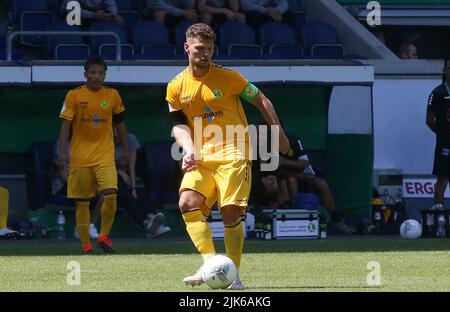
202	77
99	90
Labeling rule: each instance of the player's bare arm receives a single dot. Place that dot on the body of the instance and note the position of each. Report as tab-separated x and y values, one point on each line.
122	132
268	111
183	138
63	140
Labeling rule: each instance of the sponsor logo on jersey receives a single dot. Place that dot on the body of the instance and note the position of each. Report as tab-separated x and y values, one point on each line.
210	115
95	120
186	100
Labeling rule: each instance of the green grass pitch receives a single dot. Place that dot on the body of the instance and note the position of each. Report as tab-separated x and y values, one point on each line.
334	264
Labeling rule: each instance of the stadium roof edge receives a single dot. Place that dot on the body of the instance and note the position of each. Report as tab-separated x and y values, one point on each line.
406	67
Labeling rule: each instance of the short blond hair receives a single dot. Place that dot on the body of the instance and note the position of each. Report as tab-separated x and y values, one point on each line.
200	31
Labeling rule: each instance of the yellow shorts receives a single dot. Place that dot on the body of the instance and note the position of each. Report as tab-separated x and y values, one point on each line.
80	183
228	184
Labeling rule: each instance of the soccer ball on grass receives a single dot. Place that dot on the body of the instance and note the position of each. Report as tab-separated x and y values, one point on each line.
219	272
410	229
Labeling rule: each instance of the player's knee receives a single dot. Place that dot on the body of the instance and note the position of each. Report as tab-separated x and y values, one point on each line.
231	220
189	200
186	203
230	214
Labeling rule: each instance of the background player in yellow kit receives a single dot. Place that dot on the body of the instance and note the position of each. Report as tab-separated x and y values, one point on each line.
4	209
215	170
87	117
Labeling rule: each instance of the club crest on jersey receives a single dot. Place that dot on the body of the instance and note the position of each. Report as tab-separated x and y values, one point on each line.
217	94
104	104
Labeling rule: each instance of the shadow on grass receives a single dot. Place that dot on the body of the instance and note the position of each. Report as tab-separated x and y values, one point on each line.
136	246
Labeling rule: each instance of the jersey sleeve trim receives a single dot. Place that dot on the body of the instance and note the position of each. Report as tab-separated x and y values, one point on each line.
65	117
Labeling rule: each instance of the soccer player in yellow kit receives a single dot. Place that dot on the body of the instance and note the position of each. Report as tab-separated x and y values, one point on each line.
87	116
4	209
214	170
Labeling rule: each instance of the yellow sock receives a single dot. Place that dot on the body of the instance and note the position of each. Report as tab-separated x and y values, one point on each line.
234	241
83	218
4	202
199	232
108	211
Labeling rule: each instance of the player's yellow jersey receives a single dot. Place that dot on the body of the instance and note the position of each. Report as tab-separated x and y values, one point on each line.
213	99
91	112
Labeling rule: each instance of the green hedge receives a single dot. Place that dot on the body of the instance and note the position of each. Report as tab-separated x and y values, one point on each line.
30	114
